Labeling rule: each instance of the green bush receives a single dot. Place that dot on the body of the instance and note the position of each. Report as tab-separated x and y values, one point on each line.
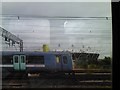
92	66
105	63
81	64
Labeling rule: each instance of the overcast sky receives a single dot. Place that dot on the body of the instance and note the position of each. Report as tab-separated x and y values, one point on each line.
90	35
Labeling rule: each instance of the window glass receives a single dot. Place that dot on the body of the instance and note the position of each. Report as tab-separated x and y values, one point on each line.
7	59
65	60
35	59
22	59
16	59
58	59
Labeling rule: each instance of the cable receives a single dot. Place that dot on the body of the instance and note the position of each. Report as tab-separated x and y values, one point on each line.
52	18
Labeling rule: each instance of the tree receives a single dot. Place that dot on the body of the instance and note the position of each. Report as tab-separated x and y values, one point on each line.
106	62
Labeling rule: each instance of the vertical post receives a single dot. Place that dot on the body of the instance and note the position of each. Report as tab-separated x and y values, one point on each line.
21	45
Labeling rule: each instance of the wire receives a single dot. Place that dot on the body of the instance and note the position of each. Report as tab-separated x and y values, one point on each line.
52	18
54	26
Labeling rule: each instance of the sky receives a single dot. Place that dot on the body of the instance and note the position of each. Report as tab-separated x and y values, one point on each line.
89	35
61	9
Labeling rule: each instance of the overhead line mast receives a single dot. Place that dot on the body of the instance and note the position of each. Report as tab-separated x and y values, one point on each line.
9	36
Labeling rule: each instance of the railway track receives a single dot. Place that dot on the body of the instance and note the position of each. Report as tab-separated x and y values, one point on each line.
75	70
57	84
15	83
80	80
